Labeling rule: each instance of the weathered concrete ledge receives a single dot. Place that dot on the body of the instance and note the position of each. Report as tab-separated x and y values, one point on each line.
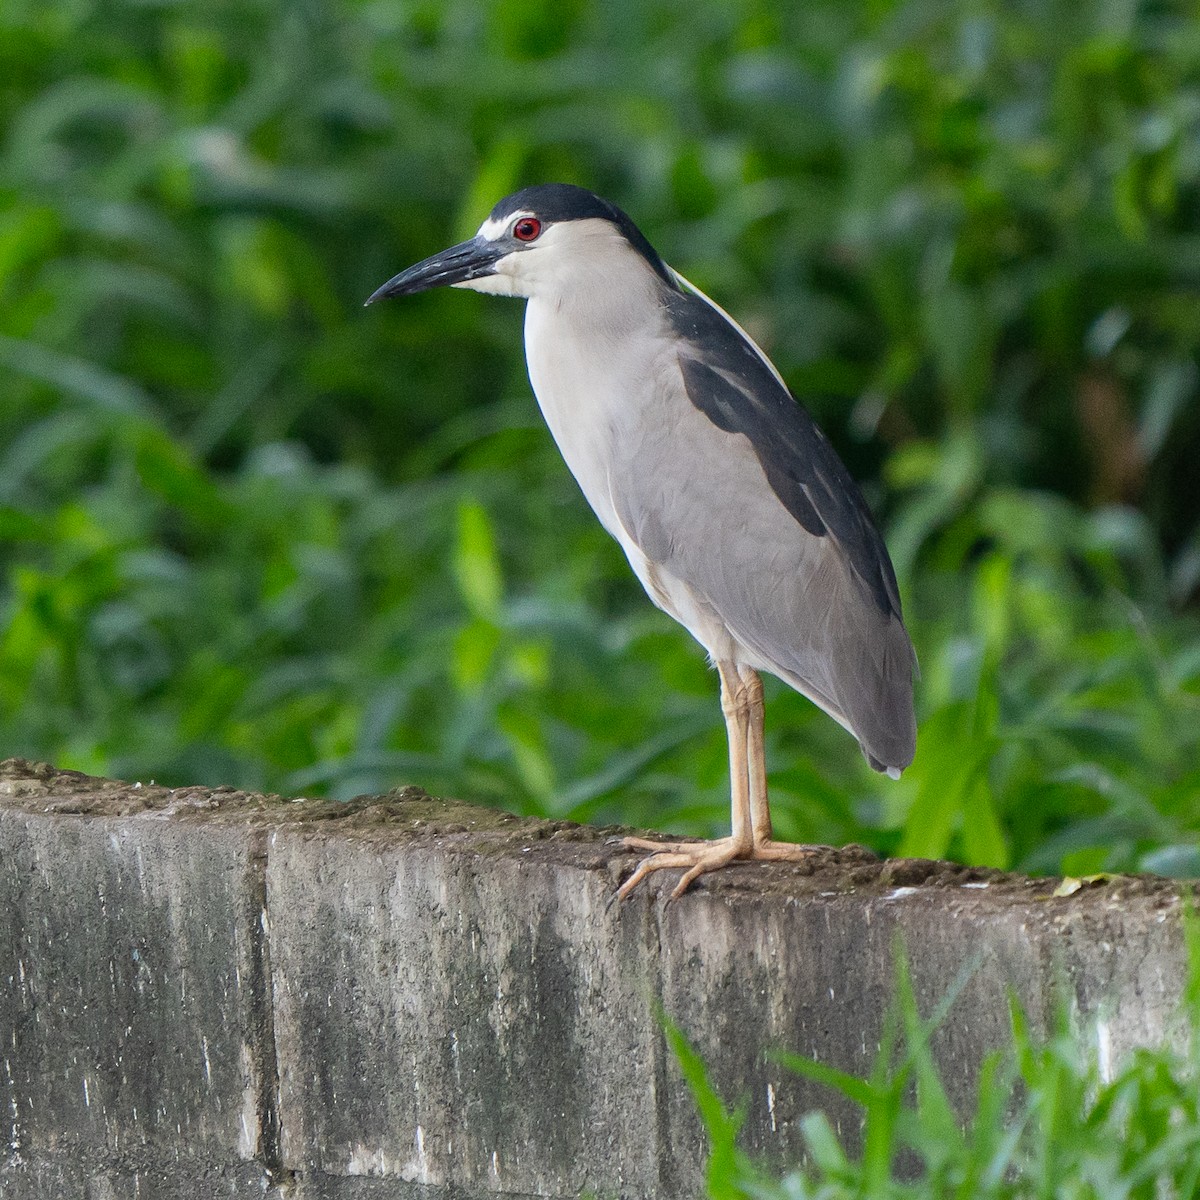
215	994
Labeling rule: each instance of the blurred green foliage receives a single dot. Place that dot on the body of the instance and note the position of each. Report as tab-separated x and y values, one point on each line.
253	534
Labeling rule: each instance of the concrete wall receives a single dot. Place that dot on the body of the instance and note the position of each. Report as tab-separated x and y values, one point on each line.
215	994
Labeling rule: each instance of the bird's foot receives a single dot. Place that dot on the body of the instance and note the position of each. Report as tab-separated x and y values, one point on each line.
768	851
697	858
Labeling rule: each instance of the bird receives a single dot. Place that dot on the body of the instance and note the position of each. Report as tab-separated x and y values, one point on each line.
733	508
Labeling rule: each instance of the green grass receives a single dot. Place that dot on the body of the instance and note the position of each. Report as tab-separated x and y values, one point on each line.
1050	1120
253	534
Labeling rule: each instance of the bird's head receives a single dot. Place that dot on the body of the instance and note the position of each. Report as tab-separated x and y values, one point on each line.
543	241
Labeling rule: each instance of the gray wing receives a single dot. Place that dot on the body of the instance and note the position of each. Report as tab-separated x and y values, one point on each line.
747	503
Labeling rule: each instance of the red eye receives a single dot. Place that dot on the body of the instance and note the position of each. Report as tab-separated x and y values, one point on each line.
527	229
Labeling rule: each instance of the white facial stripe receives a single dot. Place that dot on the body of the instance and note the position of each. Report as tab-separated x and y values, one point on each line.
505	282
493	229
493	285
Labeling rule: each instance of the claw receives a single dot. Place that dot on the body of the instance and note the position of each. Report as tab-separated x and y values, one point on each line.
698	858
695	857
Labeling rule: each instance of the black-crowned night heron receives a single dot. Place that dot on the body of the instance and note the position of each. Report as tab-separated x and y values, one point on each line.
733	509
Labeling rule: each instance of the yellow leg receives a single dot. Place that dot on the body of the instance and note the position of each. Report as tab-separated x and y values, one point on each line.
699	857
742	704
760	811
756	757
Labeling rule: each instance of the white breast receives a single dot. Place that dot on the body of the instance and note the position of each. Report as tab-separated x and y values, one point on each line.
584	383
597	390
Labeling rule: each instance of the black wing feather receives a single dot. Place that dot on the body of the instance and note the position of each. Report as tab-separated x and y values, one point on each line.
727	380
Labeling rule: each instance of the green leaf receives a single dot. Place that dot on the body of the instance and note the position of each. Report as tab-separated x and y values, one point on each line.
477	564
983	840
528	746
728	1170
849	1085
950	763
475	647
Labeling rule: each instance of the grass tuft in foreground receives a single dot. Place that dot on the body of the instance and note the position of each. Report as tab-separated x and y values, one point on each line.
1050	1119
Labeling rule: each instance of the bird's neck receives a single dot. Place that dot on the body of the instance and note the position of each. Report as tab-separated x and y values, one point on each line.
601	307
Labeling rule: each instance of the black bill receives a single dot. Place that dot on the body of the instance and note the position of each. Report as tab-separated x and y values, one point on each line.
467	260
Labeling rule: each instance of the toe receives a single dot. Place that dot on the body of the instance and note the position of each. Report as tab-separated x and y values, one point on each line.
656	862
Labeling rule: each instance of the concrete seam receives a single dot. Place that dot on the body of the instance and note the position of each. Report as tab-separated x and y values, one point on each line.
262	1001
660	1050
